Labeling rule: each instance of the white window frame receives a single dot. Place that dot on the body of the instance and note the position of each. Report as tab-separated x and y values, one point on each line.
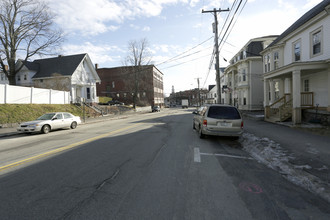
294	50
318	30
276	56
306	85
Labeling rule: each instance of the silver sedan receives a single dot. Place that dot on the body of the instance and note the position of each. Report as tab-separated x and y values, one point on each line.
50	121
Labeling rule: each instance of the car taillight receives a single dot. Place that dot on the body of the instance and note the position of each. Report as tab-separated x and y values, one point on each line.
205	123
242	124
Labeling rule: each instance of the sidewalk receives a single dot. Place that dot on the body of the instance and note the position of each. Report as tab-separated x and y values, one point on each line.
314	128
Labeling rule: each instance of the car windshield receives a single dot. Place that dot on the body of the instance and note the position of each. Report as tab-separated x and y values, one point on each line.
223	112
46	116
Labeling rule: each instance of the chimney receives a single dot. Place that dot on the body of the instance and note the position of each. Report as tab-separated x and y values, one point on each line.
96	66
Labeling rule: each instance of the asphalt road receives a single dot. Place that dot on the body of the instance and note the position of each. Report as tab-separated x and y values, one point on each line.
149	166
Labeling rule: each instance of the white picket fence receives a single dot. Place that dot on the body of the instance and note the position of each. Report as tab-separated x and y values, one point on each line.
30	95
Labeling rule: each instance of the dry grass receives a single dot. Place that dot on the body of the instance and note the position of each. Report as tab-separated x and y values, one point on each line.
15	113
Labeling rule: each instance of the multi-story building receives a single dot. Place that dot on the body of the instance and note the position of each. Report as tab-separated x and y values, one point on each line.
196	97
144	83
242	84
297	67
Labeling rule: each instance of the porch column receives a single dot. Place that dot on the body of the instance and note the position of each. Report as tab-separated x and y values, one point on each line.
296	95
272	91
232	86
287	86
281	87
328	88
266	92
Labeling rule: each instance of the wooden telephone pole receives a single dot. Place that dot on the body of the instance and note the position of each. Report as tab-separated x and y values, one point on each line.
217	62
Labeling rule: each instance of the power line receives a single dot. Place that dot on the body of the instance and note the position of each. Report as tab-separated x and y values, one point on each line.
171	59
234	22
185	62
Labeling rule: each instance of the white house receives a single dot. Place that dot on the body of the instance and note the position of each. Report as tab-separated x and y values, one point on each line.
242	84
297	67
74	73
211	96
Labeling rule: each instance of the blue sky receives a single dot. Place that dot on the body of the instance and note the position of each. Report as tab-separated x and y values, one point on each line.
103	28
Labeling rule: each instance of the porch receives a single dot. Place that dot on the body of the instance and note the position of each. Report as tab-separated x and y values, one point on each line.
282	109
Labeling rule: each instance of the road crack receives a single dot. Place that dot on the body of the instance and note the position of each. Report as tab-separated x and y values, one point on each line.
97	188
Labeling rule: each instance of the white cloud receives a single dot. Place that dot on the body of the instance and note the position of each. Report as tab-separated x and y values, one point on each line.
98	54
146	28
97	16
311	3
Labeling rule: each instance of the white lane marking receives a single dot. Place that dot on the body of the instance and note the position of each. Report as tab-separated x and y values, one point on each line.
226	155
197	156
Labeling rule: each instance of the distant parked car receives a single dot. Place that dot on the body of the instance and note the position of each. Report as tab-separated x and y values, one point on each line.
156	108
49	122
115	102
218	120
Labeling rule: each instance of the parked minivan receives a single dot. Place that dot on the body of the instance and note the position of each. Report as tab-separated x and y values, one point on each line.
218	120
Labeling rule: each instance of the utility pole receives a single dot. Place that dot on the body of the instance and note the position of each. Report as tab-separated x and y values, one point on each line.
199	93
217	62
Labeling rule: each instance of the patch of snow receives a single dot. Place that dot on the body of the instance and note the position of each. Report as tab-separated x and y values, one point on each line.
302	167
322	168
271	154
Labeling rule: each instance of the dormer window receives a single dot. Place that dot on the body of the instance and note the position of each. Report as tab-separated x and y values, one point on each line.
276	60
244	54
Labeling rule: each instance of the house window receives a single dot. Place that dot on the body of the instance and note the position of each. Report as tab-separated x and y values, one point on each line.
125	94
144	94
306	85
244	101
316	42
18	77
41	80
244	75
276	60
297	51
113	84
267	62
108	88
88	91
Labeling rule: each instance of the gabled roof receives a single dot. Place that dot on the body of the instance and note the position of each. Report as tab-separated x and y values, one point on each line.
211	87
302	20
64	65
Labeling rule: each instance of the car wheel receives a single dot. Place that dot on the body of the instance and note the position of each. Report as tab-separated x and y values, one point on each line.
73	125
200	132
45	129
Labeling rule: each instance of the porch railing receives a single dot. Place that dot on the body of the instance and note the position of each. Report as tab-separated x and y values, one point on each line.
282	108
307	99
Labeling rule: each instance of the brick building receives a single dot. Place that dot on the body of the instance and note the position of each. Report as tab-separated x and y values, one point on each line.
121	83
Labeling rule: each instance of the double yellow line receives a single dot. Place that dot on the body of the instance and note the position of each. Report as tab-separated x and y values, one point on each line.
57	150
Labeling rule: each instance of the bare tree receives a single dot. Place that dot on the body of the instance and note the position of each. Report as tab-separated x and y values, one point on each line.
26	29
138	56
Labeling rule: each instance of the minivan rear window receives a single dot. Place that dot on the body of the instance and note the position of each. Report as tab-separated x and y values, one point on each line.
223	112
